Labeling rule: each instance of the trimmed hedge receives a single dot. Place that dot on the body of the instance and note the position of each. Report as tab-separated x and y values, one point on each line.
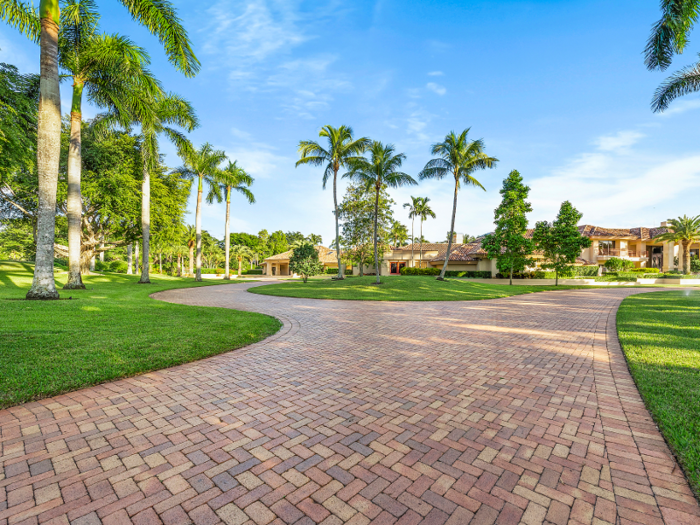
210	271
471	274
590	270
419	271
644	270
331	271
252	272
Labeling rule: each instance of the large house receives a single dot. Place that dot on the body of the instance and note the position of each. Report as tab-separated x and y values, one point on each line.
634	244
279	264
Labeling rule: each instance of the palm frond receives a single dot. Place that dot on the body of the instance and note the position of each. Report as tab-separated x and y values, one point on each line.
160	18
23	16
669	36
685	81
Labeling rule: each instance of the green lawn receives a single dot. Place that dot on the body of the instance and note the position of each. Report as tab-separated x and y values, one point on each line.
398	288
111	330
660	335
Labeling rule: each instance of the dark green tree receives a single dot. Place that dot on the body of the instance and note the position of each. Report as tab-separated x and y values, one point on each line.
293	237
560	241
304	261
277	242
508	244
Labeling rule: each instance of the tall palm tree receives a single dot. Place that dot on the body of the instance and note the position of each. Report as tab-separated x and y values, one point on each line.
686	231
315	239
190	235
460	157
341	151
202	164
669	36
232	177
160	18
381	170
111	70
241	252
398	233
412	215
423	210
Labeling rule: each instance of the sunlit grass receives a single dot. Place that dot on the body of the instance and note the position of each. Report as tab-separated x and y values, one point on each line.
660	335
399	288
111	330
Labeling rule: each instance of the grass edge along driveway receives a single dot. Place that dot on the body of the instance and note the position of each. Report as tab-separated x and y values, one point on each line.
400	288
660	337
110	331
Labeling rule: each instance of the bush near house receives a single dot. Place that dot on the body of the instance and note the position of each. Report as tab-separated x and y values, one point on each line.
210	271
615	264
331	271
419	271
471	274
257	271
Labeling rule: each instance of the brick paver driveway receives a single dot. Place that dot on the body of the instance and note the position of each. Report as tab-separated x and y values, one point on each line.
517	410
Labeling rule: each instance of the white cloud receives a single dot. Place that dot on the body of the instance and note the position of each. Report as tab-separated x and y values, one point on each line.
436	74
619	142
436	88
681	106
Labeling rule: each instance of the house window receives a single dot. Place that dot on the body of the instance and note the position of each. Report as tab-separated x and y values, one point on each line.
694	253
395	267
606	248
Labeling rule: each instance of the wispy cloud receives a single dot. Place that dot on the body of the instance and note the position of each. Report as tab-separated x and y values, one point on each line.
620	142
436	74
436	88
681	106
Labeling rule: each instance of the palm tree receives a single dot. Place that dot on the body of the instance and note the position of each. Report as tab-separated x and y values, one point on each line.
669	36
111	69
412	215
232	177
204	165
241	252
191	242
398	233
381	170
423	210
315	239
686	231
160	18
459	157
342	151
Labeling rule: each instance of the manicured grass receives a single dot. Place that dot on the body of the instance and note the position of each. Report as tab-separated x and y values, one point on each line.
660	335
399	288
111	330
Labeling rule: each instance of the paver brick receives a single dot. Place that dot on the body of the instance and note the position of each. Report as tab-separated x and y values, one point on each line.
517	410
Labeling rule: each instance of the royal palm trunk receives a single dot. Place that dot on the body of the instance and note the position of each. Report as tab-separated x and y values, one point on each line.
227	233
129	259
198	226
74	199
452	229
337	227
145	224
48	153
413	242
376	254
686	256
136	258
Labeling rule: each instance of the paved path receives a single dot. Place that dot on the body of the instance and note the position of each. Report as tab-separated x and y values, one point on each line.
517	410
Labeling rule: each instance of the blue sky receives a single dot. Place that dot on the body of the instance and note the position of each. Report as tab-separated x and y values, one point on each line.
557	90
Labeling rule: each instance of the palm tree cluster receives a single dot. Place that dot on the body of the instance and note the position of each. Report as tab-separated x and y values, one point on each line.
113	73
456	156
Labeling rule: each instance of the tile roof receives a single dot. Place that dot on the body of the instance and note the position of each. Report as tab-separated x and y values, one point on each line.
427	247
461	252
640	233
325	255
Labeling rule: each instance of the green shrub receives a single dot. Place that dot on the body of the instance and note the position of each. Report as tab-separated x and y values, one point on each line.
590	270
210	271
470	274
331	271
643	270
615	264
419	271
252	272
118	266
621	277
101	266
694	265
61	263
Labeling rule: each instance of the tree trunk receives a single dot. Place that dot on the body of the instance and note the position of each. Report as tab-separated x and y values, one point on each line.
102	245
413	242
421	243
146	225
376	254
227	233
556	277
341	274
240	266
74	203
160	263
686	256
136	258
198	227
92	263
48	153
511	273
129	259
441	277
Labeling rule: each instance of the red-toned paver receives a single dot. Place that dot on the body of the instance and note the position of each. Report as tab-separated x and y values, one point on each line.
517	410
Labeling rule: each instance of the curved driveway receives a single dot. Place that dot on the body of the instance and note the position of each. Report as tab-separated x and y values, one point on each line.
516	410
